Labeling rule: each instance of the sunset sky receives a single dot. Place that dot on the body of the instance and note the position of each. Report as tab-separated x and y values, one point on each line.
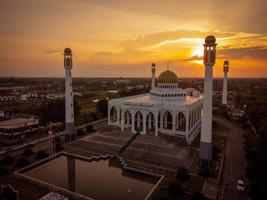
121	38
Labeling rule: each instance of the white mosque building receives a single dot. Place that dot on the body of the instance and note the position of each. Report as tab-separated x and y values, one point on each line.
167	109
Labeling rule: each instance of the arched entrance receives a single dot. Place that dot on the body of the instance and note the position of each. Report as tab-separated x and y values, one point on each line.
113	114
150	121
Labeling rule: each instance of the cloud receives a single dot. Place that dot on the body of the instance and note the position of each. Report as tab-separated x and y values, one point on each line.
179	45
258	52
53	52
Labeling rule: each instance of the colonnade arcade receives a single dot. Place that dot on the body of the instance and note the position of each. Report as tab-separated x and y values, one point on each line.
146	120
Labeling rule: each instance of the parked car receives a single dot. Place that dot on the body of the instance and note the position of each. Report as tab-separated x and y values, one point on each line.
240	185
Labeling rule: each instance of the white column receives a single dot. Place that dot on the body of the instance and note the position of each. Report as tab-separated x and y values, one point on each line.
153	76
149	122
69	97
161	121
206	128
109	115
224	97
144	122
118	115
122	120
133	121
156	123
138	120
165	120
187	128
173	121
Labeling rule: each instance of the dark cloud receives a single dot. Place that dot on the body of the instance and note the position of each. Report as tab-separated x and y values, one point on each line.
259	52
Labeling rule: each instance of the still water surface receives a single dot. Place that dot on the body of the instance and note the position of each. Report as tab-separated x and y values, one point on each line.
101	180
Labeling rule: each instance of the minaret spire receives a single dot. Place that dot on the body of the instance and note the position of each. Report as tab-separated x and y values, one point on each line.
153	80
205	153
69	107
225	77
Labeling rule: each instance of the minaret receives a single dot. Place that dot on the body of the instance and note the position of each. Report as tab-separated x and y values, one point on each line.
69	110
225	70
153	81
205	153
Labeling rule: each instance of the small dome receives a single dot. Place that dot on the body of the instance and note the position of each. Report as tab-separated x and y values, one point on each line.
67	51
210	39
167	77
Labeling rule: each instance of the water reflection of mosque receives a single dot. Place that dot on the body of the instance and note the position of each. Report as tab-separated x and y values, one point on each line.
112	162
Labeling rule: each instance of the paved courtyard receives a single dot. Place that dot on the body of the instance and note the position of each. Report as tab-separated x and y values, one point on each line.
163	150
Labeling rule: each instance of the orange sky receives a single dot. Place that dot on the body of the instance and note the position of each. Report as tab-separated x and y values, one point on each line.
122	38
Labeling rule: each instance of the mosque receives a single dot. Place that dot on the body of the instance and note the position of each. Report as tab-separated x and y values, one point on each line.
166	109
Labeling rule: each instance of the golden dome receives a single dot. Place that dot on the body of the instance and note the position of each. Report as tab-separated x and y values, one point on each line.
167	77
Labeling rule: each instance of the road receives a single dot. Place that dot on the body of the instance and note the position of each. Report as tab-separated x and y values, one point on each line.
235	163
43	143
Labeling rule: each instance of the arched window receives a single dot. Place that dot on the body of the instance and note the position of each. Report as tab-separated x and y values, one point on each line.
138	121
127	117
180	122
150	121
167	120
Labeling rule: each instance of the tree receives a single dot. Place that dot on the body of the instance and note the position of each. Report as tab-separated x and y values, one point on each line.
182	174
3	171
89	128
102	107
41	154
175	189
54	111
8	160
80	132
28	152
198	196
22	162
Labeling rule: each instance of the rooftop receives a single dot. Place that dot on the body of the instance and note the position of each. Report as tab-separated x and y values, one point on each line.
145	99
17	122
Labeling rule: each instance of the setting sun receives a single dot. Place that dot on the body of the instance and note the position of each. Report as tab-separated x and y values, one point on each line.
198	51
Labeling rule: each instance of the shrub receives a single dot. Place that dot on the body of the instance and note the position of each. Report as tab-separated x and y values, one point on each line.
205	172
175	189
59	147
89	128
41	154
182	174
3	171
57	140
22	162
8	160
80	132
28	152
215	152
198	196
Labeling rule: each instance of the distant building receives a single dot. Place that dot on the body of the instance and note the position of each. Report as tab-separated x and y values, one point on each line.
113	91
54	196
26	97
16	130
125	81
5	114
55	96
7	99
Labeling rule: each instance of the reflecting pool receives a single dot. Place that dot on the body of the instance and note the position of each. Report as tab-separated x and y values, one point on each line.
101	179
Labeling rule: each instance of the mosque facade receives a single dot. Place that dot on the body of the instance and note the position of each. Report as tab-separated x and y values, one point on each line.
166	109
